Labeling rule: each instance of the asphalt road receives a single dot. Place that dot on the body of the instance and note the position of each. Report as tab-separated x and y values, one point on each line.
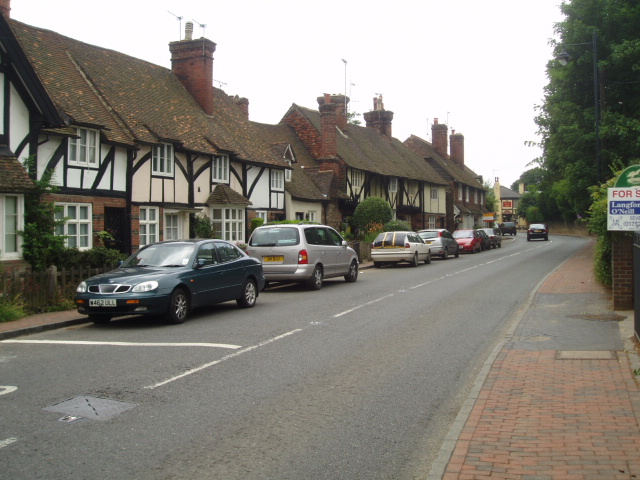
355	381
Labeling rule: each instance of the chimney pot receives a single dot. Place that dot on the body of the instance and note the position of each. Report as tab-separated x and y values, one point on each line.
188	31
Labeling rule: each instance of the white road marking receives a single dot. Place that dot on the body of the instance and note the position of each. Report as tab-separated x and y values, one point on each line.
362	305
125	344
7	389
225	358
7	442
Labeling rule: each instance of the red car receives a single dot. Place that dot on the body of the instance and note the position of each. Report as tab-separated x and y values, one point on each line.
468	240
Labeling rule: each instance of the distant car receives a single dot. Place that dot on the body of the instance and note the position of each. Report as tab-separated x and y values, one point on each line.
468	240
494	236
171	278
484	238
396	247
508	228
440	241
537	230
305	252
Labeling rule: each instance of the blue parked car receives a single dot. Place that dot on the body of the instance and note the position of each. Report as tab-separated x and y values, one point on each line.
170	279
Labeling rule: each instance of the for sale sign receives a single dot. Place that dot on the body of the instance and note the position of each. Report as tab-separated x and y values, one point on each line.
623	208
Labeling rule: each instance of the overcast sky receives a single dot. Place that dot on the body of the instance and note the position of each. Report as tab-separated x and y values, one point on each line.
477	66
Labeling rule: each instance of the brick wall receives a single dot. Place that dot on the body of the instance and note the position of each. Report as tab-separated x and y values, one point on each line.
622	271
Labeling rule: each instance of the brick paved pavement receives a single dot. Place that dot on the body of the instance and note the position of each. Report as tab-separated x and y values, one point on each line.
558	400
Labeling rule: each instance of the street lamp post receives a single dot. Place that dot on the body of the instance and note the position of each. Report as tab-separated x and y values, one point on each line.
563	59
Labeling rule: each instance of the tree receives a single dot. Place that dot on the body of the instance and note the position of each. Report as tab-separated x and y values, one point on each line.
532	178
41	247
567	121
372	210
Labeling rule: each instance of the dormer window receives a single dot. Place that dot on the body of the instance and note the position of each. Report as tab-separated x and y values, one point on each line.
83	150
163	160
357	178
277	180
220	169
288	172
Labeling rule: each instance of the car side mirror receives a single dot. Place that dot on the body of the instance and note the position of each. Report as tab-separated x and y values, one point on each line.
201	262
344	243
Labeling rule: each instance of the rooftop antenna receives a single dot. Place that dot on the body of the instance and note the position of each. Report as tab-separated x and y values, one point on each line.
179	25
202	26
220	83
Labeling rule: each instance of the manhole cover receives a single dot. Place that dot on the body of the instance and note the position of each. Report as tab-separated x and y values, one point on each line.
93	408
602	317
586	355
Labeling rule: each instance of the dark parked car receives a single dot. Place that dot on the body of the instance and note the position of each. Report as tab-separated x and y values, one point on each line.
508	228
537	230
494	236
171	278
484	238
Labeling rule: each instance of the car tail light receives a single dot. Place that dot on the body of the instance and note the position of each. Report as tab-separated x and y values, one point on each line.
407	245
303	257
439	234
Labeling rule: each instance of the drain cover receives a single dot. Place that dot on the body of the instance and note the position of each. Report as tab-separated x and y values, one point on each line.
93	408
586	355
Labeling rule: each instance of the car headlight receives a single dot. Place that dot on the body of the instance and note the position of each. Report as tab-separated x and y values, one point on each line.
82	287
145	286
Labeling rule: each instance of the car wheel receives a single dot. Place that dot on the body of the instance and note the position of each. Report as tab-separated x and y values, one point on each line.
178	306
427	260
546	238
352	275
457	254
499	245
528	238
445	254
316	278
377	264
414	263
99	319
473	249
249	294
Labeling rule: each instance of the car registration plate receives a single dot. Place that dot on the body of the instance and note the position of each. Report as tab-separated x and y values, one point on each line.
102	302
275	258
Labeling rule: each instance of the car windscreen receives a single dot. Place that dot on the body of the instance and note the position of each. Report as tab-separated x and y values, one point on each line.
161	256
275	237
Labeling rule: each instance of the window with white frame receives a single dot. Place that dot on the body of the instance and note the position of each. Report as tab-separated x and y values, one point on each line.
357	178
393	184
466	190
163	160
434	193
220	169
12	221
172	226
263	214
76	224
311	216
431	221
149	225
84	150
288	172
277	179
228	223
475	196
459	192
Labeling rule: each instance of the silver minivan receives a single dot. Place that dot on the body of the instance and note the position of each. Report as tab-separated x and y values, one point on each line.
306	253
441	242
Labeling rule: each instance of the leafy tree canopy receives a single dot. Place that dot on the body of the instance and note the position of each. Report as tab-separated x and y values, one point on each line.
567	121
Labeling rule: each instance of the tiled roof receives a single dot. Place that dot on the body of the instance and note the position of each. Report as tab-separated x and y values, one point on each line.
13	176
448	168
133	101
225	195
366	149
307	182
508	193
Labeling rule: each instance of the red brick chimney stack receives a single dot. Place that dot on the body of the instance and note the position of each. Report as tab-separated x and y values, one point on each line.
192	64
439	138
5	7
379	118
456	141
328	118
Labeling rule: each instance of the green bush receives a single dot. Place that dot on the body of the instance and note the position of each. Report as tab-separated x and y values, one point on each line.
11	310
95	257
397	225
255	223
372	210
